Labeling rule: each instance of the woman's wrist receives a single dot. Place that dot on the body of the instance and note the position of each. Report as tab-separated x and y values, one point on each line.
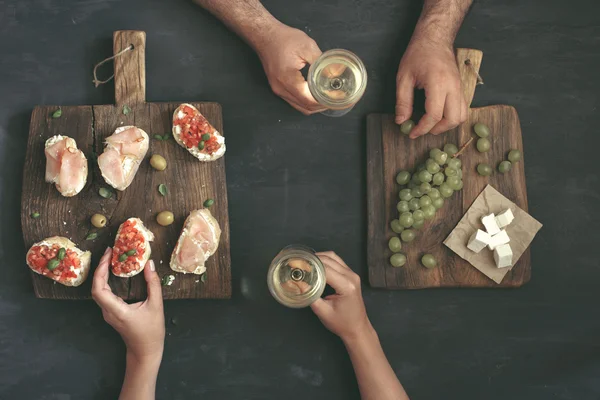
146	361
366	334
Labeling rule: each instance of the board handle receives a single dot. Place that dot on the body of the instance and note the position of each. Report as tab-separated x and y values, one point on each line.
130	67
469	62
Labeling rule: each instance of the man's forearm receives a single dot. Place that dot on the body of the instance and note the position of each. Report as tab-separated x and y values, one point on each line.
248	18
440	20
376	378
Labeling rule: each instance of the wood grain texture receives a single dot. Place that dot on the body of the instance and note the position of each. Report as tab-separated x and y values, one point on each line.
388	152
189	182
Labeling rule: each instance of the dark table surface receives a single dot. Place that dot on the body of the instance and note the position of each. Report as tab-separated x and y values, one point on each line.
297	179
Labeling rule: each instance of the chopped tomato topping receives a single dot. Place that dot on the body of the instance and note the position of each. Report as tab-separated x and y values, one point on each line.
193	125
39	256
130	238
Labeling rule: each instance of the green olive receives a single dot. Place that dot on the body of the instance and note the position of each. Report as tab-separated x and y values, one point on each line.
504	166
407	126
398	260
483	145
395	244
484	169
62	252
428	261
158	162
514	156
53	264
165	218
131	252
481	130
408	235
123	257
98	220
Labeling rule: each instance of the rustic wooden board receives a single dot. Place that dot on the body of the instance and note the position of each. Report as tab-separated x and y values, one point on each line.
388	152
189	182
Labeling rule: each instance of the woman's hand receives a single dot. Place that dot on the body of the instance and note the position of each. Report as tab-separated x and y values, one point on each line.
343	313
142	324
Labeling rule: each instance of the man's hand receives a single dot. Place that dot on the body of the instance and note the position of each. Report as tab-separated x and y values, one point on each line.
431	67
283	55
141	325
343	313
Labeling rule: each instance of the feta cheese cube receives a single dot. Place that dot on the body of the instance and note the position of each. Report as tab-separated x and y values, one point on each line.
498	239
478	241
489	221
505	218
503	256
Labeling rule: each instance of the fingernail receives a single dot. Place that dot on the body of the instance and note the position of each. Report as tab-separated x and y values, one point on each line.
152	266
106	251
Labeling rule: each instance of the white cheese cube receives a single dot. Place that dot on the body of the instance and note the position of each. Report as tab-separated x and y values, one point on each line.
491	227
478	241
503	256
498	239
505	218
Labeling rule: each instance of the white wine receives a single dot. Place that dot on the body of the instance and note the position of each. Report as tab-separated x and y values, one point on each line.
337	80
296	277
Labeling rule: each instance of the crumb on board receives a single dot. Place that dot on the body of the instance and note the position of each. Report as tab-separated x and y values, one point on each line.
64	222
197	281
161	261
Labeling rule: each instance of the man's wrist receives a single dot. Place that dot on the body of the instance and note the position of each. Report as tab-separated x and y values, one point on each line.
430	31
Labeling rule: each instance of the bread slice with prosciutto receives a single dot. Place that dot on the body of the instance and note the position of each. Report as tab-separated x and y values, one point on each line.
66	165
198	241
125	149
59	259
132	248
194	133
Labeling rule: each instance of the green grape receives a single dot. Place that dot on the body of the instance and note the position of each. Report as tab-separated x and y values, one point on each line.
402	206
395	244
425	176
412	185
433	152
405	194
450	171
451	149
413	204
483	145
484	169
438	179
425	187
431	166
408	235
428	261
407	126
396	227
398	260
445	190
406	219
434	194
420	167
460	185
418	215
429	211
504	166
514	156
418	224
454	163
425	201
453	182
403	177
481	130
441	158
415	179
416	192
459	173
438	203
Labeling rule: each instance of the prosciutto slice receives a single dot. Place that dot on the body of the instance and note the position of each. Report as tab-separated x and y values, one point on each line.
66	165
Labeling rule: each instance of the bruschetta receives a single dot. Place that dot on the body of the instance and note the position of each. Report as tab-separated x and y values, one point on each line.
195	134
198	241
60	260
125	149
66	165
132	248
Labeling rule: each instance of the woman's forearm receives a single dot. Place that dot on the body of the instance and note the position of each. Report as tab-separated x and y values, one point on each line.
140	378
376	378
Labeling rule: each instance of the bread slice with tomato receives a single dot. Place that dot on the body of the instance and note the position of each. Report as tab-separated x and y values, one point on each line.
194	133
132	249
59	259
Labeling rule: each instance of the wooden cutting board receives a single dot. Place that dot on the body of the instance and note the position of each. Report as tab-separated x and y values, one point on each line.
189	182
388	152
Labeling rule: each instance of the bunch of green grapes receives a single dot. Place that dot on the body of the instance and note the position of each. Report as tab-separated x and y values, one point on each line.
422	193
484	145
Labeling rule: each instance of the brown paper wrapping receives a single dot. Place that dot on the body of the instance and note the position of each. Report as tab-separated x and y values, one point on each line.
521	232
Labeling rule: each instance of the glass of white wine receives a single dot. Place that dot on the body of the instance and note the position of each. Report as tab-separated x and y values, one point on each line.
296	276
337	80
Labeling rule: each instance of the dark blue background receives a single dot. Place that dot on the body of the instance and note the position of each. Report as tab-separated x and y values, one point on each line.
297	179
